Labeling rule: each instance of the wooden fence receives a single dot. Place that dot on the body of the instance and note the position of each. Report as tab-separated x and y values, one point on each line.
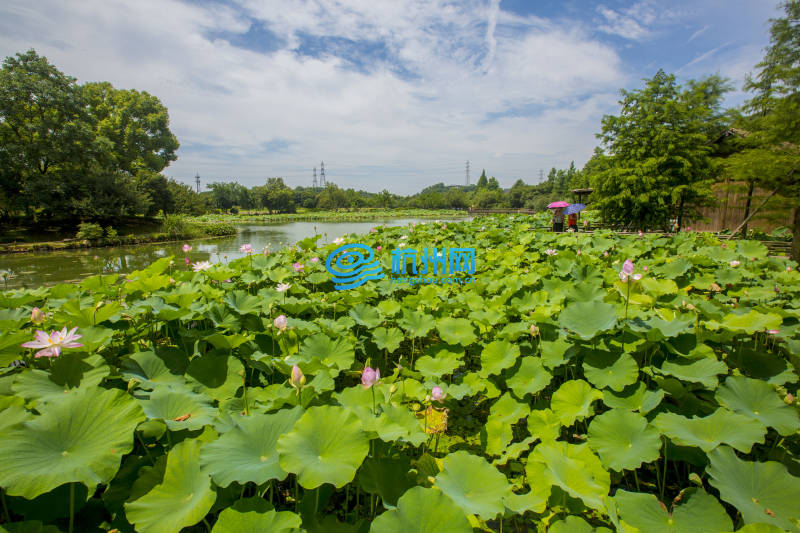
729	213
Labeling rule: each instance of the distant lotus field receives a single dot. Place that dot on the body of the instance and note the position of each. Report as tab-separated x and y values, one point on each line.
583	382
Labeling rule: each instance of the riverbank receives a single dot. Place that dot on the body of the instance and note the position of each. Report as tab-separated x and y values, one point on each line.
359	215
203	231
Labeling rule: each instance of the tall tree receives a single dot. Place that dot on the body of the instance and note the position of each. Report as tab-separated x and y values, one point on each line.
771	153
658	162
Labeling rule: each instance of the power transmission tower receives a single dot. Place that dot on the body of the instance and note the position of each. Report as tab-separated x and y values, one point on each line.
197	181
322	174
541	175
315	177
467	181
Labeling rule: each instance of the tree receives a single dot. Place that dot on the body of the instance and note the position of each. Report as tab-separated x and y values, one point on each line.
136	124
483	181
771	152
185	200
493	184
227	195
43	129
659	164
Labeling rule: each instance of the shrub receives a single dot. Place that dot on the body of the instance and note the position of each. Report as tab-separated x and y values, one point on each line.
178	226
89	230
234	210
218	229
111	232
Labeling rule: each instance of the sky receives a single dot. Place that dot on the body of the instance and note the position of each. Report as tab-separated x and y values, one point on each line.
389	94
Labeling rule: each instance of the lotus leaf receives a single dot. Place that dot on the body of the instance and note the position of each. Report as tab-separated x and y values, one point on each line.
587	319
456	331
81	438
530	378
758	400
473	484
720	427
609	370
697	513
497	356
422	510
575	469
573	401
762	492
326	445
623	440
182	499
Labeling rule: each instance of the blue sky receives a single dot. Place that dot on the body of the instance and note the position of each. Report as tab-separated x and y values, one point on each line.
391	94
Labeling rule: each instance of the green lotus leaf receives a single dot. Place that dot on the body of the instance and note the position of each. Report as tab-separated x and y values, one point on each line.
656	329
387	477
387	339
415	323
760	528
608	370
698	513
442	363
762	492
80	439
13	415
514	450
636	397
720	427
247	452
674	268
659	287
531	377
701	370
623	440
758	400
497	356
335	355
327	445
575	524
149	369
389	307
243	303
751	249
182	499
28	526
573	401
473	484
555	353
504	413
366	315
215	375
587	319
422	510
254	515
748	323
575	469
456	331
544	424
172	406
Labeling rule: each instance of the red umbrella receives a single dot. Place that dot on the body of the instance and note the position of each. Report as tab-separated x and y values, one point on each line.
558	204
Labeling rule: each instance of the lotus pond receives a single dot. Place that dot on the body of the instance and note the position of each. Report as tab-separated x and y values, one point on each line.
583	382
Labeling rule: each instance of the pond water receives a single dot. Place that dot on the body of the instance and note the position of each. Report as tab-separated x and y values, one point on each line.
32	270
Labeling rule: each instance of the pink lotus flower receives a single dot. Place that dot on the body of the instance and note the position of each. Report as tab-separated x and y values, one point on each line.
444	226
734	263
52	344
645	268
369	377
298	267
281	322
187	261
605	254
773	331
551	252
246	248
373	230
579	252
378	248
338	240
315	259
297	379
788	269
437	394
724	245
283	287
627	271
534	329
186	248
37	317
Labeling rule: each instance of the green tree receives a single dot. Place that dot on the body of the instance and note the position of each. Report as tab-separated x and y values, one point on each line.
483	181
44	132
185	200
771	153
659	163
226	195
135	123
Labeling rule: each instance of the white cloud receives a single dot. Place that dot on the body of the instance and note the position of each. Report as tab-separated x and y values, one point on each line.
454	81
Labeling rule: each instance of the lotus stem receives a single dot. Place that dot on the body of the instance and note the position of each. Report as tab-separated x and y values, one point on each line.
5	506
71	506
664	477
636	479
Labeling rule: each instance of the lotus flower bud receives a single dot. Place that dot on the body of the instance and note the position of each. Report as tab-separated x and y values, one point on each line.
393	389
627	267
534	330
37	317
437	394
789	400
370	376
297	379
